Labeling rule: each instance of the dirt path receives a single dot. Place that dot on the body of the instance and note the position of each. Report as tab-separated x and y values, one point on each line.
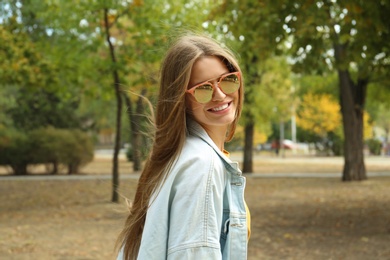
292	218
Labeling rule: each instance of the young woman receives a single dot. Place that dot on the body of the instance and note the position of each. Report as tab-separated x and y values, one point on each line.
189	202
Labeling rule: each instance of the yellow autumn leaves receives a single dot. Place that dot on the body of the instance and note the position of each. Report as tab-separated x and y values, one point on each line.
320	114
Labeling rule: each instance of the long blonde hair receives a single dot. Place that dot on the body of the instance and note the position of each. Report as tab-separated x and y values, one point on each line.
171	127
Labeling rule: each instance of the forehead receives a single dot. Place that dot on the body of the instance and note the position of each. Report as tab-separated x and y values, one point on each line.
205	68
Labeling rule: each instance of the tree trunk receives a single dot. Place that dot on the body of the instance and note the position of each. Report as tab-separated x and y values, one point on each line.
19	169
73	168
137	152
55	168
282	151
133	128
352	99
136	135
115	74
249	118
52	167
248	147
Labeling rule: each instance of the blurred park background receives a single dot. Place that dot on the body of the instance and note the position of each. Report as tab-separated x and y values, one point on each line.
78	82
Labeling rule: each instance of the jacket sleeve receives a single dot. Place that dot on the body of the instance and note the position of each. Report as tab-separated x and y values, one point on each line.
196	208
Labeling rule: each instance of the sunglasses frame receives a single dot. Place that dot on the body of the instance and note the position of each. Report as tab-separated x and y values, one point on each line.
207	82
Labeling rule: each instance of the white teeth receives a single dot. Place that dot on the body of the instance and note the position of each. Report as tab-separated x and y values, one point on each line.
220	108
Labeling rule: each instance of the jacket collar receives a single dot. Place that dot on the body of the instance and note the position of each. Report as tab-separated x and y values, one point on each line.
196	129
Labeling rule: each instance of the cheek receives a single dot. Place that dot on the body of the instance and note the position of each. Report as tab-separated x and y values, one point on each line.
196	108
235	96
192	106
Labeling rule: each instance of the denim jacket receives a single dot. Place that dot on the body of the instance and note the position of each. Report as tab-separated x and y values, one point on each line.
199	211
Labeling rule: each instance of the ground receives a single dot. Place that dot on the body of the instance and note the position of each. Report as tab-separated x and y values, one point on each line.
292	218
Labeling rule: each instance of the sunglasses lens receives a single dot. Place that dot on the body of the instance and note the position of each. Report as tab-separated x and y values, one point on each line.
230	84
204	93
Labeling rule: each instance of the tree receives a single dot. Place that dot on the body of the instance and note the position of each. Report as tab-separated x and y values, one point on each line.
279	90
351	37
138	32
55	35
31	79
236	23
146	35
118	95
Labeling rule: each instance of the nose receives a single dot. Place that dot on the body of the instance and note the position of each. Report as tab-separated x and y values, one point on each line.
218	95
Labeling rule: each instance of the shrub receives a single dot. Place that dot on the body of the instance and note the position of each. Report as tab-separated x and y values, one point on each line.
50	146
78	150
47	144
374	146
15	150
72	148
338	146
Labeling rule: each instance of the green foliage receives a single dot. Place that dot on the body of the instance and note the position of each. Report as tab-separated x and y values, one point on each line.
15	150
7	101
379	108
337	143
317	84
78	150
333	143
48	145
304	135
145	37
374	146
235	23
318	26
22	62
277	88
58	48
33	81
71	148
40	108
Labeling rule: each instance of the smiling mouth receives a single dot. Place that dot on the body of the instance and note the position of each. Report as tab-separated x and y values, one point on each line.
220	108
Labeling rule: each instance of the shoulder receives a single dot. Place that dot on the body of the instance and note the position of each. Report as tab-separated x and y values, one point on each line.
197	163
199	153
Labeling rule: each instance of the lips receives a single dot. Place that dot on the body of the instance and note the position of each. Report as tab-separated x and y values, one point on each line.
220	108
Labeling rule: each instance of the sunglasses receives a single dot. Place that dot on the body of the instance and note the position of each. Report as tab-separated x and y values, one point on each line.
228	83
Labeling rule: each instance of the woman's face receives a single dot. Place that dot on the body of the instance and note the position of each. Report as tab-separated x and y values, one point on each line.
220	111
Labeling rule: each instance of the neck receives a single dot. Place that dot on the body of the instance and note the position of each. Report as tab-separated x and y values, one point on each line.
217	134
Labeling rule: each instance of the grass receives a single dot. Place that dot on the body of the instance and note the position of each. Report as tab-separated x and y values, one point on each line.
292	218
